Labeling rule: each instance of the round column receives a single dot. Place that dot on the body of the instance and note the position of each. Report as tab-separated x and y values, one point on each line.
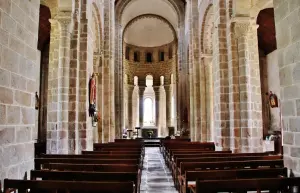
141	105
130	89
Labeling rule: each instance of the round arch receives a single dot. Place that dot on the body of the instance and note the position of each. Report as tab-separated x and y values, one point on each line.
207	30
132	21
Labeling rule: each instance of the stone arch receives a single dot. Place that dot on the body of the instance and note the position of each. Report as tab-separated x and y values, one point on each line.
258	5
151	16
52	4
179	9
207	30
98	24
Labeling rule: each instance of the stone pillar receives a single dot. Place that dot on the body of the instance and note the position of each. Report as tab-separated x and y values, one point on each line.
58	89
141	104
129	106
168	90
157	101
249	85
108	114
209	107
220	78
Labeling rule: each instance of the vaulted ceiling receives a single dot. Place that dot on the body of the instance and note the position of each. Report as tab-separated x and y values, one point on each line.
266	31
149	32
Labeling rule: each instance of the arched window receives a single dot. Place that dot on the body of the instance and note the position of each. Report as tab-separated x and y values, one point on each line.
149	57
136	56
161	56
148	111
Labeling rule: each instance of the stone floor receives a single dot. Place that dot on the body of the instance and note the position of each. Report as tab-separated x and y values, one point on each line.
156	177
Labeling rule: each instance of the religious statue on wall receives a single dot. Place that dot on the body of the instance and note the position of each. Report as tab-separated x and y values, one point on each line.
92	96
273	100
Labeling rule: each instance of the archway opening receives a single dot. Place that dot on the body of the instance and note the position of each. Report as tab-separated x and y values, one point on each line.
267	46
43	47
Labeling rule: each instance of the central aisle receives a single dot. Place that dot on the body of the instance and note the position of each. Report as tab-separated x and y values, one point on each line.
156	177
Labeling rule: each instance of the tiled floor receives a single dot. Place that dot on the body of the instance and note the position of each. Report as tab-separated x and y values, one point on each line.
156	177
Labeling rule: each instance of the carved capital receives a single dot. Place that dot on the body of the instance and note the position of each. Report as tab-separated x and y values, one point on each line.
64	19
241	29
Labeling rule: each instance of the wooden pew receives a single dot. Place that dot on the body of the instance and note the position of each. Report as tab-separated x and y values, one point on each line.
187	145
92	167
87	176
39	162
112	152
192	176
244	185
221	159
222	165
210	154
94	156
65	186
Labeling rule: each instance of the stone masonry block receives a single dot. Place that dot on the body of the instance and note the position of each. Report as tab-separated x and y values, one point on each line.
4	78
288	138
13	154
6	95
18	14
13	115
5	5
23	134
294	124
9	60
298	107
296	72
288	108
7	135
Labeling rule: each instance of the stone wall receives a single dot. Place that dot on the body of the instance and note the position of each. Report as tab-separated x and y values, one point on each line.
156	68
19	66
288	40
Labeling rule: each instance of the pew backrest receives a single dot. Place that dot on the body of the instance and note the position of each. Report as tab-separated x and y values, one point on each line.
41	186
244	185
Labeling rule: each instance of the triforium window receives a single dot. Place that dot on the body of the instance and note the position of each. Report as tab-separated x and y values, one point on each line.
127	53
136	56
161	56
149	57
170	52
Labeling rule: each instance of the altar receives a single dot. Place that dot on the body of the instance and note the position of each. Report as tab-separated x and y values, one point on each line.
145	132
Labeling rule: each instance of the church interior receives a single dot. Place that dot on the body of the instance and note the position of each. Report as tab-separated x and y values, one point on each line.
149	96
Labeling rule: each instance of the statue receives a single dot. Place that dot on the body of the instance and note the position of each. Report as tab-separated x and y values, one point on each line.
92	95
273	100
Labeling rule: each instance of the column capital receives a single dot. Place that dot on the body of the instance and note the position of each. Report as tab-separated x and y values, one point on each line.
167	87
203	56
130	88
243	25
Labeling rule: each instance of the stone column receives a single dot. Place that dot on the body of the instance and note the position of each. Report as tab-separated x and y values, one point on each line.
209	113
168	90
58	89
249	85
141	111
129	106
157	101
108	114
